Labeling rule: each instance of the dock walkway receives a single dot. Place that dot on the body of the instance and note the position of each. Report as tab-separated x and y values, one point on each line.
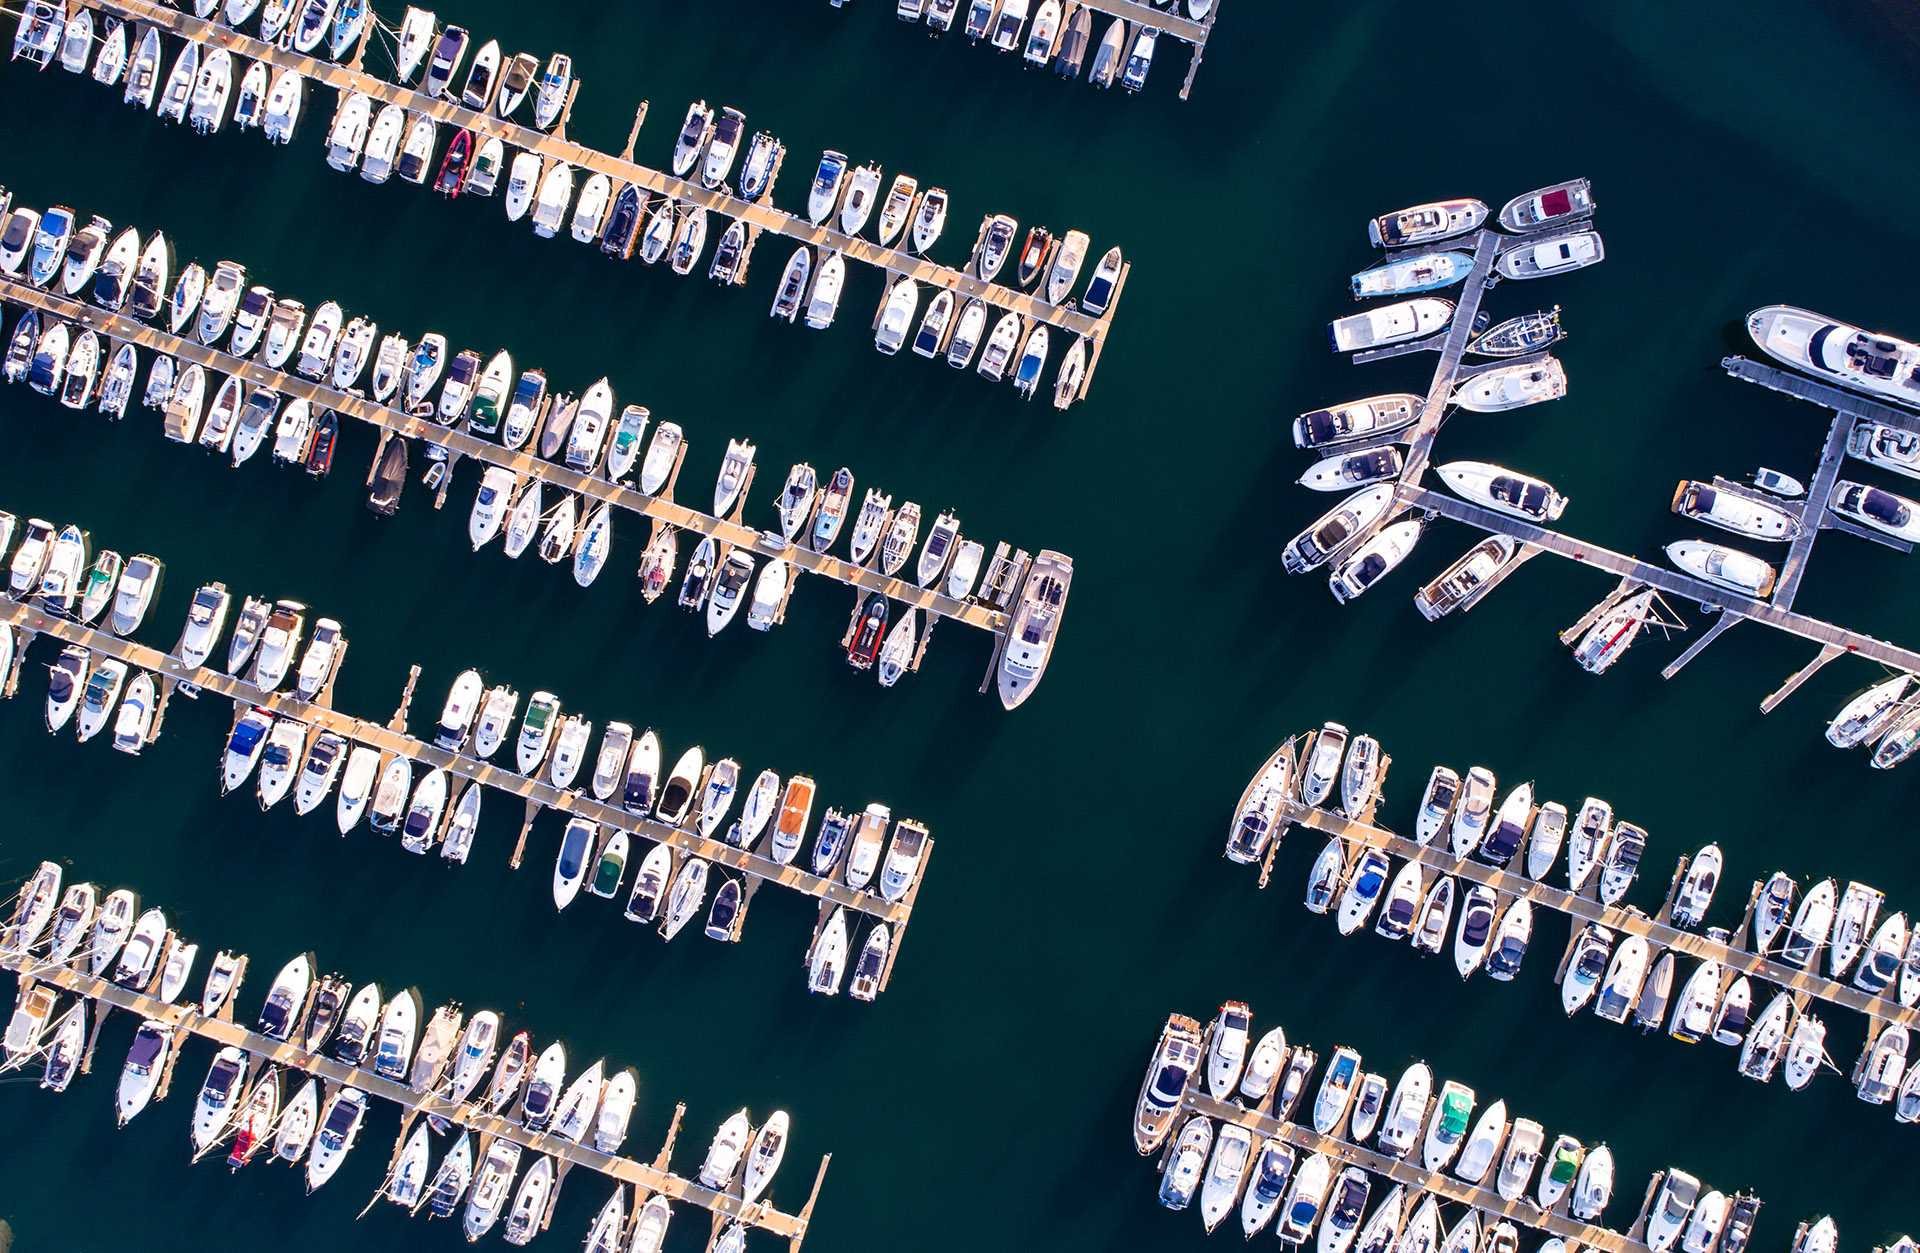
1669	581
523	464
535	792
761	215
223	1033
1511	884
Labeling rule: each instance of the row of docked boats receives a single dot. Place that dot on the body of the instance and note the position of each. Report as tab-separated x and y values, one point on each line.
1255	1160
622	218
1618	974
264	1097
307	757
485	397
633	800
1053	33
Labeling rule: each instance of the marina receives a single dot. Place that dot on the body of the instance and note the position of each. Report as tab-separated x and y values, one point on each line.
1225	1093
1003	581
1063	38
1367	537
391	743
1423	910
268	1055
1066	891
556	152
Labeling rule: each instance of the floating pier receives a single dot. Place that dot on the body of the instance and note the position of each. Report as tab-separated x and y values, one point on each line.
524	465
652	1178
536	793
759	215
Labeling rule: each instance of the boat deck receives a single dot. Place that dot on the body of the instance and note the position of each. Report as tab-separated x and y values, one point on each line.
392	741
761	215
1584	909
523	465
651	1178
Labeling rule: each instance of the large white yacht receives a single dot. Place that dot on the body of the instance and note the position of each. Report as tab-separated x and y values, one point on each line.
1878	364
1503	490
1030	636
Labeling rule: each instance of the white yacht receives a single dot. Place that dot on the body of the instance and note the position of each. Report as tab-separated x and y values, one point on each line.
1876	509
1503	490
1390	324
1872	362
1512	386
1725	567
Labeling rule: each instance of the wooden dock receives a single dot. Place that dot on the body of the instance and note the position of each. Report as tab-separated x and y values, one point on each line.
649	1178
1582	909
554	147
1669	581
1453	347
1522	1211
535	792
524	464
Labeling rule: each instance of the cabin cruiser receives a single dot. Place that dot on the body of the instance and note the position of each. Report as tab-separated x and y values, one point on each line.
1455	586
1181	1179
1503	490
1426	223
1390	324
1725	567
1553	256
1036	620
1867	361
1512	386
1376	415
1876	509
1373	560
1697	887
1344	471
1548	206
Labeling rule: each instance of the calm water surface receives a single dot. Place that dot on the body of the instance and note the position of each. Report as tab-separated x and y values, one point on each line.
1741	155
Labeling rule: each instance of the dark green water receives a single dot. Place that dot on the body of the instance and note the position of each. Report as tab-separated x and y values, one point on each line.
1741	155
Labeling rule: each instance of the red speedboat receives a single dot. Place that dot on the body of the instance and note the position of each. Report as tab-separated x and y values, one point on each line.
456	165
870	634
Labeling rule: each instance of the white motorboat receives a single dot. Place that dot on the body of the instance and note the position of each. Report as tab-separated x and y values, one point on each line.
1873	362
1512	386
